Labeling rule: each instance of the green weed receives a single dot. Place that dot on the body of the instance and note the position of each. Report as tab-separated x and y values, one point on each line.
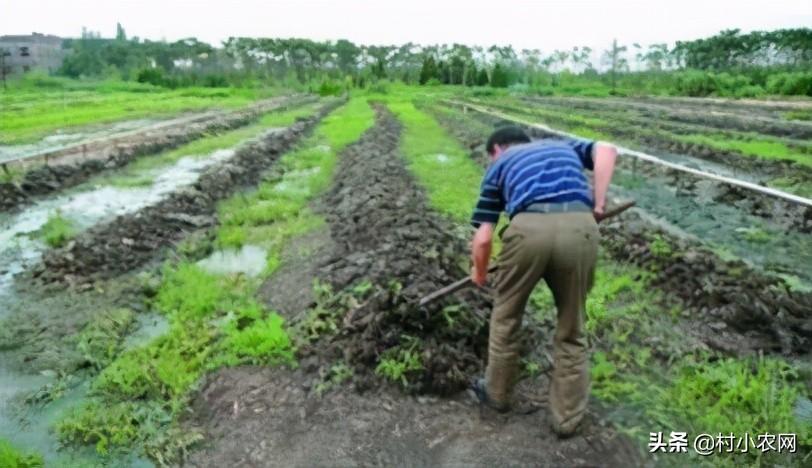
338	373
57	231
100	341
396	362
659	247
108	425
754	234
264	341
10	457
10	175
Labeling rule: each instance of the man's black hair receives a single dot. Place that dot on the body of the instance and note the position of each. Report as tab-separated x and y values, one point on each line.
505	136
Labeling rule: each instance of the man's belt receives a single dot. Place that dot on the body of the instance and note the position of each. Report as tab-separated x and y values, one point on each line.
565	207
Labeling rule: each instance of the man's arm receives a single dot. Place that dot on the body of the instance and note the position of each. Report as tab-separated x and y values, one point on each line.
481	253
604	156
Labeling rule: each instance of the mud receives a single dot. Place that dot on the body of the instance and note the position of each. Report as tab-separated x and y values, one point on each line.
732	306
71	169
129	241
740	310
261	417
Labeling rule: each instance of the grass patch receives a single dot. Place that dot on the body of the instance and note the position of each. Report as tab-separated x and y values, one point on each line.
452	181
278	210
57	231
11	457
32	112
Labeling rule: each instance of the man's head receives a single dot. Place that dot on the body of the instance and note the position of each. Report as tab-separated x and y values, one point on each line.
503	138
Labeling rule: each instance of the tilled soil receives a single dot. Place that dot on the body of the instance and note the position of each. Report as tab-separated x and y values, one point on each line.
382	231
50	178
129	241
259	417
732	306
385	232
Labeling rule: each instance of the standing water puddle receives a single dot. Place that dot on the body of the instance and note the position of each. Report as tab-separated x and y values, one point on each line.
249	260
85	207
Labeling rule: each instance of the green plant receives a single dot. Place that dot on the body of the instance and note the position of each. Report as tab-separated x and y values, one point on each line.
100	341
754	234
263	341
397	362
338	373
58	230
11	457
660	247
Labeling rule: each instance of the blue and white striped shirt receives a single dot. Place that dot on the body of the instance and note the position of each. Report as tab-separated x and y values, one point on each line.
543	171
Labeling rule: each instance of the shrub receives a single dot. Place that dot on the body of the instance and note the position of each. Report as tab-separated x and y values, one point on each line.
153	76
695	83
380	87
790	84
330	88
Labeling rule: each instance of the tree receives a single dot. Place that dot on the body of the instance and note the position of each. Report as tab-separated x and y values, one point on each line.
5	70
429	70
499	77
617	62
482	77
120	34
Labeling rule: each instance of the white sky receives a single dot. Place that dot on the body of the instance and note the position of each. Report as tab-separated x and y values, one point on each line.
547	25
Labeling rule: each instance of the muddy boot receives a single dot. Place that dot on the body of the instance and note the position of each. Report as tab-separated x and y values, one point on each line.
565	430
480	391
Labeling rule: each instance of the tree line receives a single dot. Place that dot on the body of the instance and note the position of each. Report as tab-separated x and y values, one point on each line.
776	62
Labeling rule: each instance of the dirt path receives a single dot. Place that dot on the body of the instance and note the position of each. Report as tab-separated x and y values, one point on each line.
382	232
68	167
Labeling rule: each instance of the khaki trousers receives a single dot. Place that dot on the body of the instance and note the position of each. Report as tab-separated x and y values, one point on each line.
562	249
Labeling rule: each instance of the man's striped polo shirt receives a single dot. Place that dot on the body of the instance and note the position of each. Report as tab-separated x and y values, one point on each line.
543	171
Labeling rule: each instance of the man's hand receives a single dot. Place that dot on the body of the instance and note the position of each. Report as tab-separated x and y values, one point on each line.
598	212
481	253
479	278
604	159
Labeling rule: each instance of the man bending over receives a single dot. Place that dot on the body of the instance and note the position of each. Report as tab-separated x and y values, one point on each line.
553	235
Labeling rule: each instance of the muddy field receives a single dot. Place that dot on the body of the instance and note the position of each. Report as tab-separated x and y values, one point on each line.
342	247
383	232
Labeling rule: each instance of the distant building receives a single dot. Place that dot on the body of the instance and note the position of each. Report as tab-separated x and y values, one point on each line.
34	52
